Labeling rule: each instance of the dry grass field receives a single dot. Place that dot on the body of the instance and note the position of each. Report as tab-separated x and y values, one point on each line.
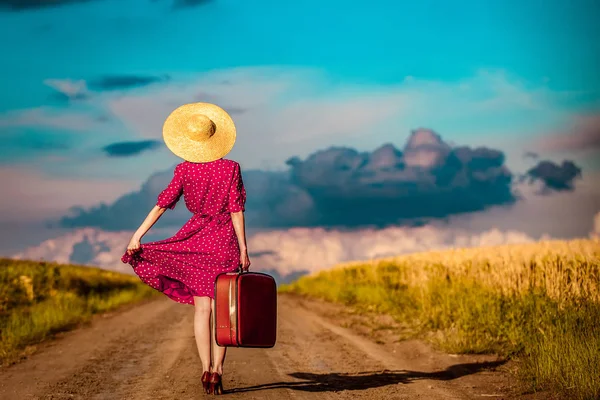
38	299
537	303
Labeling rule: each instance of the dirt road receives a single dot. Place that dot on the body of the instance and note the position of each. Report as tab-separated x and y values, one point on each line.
148	352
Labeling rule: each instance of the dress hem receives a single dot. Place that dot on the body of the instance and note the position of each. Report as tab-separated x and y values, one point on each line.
170	286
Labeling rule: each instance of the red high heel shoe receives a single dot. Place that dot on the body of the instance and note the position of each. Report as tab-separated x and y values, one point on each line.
206	382
216	385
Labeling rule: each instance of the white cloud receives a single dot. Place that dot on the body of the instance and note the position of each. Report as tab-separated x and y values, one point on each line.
506	93
562	215
310	120
582	134
287	251
69	87
49	118
272	110
285	112
288	112
106	249
30	195
314	249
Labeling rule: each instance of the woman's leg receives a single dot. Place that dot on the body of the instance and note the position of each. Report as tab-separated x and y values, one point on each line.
219	353
202	329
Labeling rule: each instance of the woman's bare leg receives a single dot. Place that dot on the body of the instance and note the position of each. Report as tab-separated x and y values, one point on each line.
202	329
219	352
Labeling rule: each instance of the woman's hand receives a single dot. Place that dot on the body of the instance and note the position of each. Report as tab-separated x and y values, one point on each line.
133	246
153	216
244	260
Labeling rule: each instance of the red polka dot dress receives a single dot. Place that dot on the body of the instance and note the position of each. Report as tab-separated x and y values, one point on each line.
187	264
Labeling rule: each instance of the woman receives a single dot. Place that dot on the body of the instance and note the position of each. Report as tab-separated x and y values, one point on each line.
184	267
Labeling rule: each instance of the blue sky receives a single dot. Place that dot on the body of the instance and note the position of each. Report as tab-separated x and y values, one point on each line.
377	42
297	77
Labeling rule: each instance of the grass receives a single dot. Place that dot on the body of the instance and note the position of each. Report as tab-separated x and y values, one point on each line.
536	302
39	299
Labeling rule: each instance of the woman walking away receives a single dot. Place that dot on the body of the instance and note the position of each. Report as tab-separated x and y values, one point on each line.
184	267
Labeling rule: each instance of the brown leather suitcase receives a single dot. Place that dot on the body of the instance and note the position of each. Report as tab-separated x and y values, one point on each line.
245	309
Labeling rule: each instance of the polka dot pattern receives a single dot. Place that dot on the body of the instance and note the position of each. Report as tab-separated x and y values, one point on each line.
187	264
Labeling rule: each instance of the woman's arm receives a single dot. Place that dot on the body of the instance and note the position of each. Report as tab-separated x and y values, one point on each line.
153	216
237	218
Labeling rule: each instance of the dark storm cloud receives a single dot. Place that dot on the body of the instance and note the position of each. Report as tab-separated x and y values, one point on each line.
177	4
272	201
342	187
17	5
128	210
427	179
118	82
555	177
126	149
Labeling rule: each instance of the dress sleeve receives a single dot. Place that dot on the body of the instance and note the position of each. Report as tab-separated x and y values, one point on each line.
237	192
169	197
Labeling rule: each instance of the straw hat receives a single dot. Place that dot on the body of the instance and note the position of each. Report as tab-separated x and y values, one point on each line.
199	132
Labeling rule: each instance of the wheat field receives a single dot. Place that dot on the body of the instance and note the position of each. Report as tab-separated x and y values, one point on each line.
536	302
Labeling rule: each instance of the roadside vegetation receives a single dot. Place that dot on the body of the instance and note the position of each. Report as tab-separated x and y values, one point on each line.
538	303
39	299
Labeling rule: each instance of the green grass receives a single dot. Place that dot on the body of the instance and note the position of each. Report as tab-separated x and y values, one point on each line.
538	303
39	299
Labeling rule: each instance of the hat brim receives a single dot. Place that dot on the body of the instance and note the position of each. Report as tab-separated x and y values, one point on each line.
213	148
